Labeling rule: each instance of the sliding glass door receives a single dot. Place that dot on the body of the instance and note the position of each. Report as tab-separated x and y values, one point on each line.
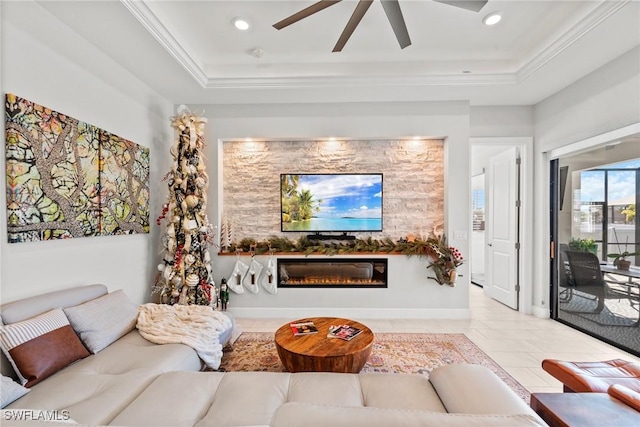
594	197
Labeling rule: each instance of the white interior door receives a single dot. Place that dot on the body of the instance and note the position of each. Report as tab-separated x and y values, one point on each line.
502	190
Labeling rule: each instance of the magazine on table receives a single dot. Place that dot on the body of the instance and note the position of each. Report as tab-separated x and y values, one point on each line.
344	332
303	328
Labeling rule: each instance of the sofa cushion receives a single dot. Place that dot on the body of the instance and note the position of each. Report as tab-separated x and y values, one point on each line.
40	346
293	414
103	320
157	407
417	392
211	396
91	398
461	386
208	399
10	391
133	352
325	388
212	399
261	393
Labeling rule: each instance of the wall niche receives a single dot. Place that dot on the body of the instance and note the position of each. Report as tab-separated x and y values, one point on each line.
413	187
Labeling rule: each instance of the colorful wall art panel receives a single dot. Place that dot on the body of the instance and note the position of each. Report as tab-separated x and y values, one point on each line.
124	186
67	178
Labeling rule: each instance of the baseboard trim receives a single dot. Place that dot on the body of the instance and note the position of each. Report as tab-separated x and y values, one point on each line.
361	313
541	312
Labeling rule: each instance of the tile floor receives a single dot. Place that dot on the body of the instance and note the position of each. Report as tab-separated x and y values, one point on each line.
516	341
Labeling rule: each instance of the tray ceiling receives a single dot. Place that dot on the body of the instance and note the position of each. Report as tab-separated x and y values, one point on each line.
190	52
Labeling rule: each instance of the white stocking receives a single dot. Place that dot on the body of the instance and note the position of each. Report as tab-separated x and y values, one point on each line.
251	278
268	280
235	280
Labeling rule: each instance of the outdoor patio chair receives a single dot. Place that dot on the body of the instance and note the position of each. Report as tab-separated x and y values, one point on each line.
586	277
566	283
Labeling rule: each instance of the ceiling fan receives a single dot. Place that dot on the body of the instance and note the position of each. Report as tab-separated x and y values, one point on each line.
391	8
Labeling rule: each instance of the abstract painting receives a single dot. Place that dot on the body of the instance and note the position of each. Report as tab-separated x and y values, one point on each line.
67	178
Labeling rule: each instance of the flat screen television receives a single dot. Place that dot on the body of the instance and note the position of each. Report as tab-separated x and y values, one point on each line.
344	202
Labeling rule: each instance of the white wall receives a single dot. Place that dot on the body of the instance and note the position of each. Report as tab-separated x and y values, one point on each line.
604	101
501	121
45	62
361	121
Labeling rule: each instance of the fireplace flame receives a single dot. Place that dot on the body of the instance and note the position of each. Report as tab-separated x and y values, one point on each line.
348	273
336	280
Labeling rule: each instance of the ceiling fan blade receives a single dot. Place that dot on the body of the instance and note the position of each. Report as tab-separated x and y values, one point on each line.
473	5
316	7
394	14
356	17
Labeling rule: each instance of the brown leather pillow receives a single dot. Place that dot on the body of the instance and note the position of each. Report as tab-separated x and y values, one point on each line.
41	346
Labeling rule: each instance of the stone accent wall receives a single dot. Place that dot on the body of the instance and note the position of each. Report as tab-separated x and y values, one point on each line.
413	182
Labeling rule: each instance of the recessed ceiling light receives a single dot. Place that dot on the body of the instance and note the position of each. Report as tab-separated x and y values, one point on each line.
492	19
240	23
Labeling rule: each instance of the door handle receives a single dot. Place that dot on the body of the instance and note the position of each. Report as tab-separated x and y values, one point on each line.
489	244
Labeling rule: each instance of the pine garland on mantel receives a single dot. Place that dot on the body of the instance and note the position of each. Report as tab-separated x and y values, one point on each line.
444	258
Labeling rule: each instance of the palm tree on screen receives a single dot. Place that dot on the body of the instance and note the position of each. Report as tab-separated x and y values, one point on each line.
289	195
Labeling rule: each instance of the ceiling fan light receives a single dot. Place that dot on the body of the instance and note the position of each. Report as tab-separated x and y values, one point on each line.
240	23
492	19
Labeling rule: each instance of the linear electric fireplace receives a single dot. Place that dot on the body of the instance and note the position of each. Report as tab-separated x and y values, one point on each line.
332	272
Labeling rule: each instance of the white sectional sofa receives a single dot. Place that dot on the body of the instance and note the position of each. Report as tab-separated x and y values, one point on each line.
132	382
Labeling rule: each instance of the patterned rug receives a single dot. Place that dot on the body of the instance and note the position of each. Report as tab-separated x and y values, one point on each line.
392	352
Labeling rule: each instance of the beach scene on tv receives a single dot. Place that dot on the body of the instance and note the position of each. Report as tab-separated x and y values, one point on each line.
331	202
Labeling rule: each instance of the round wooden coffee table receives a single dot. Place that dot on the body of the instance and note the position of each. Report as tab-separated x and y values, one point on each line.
317	353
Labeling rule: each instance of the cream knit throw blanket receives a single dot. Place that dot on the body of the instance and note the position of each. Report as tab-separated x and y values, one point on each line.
197	326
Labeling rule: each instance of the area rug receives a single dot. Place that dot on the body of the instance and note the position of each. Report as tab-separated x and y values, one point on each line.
392	352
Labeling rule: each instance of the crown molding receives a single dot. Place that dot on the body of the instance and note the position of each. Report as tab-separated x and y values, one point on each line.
361	81
601	13
141	11
152	23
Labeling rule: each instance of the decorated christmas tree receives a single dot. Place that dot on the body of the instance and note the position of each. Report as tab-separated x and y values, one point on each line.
184	275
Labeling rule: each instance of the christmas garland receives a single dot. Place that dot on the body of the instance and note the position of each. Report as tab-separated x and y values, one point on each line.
444	259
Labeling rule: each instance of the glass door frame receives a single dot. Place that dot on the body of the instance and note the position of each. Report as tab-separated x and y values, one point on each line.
554	229
554	205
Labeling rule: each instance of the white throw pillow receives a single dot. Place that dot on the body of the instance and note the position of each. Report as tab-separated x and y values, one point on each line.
103	320
11	390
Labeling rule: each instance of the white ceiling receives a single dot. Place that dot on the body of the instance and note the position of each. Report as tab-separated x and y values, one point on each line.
189	51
